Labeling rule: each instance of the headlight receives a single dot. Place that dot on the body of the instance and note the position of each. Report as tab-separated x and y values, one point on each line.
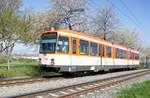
40	60
52	61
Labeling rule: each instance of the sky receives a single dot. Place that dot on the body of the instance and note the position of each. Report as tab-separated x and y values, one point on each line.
133	14
36	5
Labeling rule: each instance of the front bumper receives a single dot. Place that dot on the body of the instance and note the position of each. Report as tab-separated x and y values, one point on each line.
49	68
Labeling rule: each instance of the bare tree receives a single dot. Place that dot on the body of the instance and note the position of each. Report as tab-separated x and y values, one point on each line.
69	11
64	14
107	26
106	22
40	22
128	38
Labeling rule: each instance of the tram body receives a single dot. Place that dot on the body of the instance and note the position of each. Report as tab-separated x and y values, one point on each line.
70	51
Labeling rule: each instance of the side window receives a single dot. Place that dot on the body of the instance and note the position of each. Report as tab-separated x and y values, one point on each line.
133	56
73	46
63	44
136	56
108	51
122	54
84	47
102	50
125	54
93	49
130	55
119	53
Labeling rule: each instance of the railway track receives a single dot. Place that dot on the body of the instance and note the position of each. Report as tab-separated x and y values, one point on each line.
76	90
21	81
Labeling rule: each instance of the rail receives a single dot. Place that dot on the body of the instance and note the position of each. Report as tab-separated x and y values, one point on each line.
76	90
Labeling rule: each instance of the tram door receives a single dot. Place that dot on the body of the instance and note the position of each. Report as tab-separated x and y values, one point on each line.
74	57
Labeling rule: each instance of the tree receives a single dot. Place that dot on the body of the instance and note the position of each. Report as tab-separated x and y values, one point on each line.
41	22
145	56
106	22
68	11
13	26
62	13
128	38
3	7
107	26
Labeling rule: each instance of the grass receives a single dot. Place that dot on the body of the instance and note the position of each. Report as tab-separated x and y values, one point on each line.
19	67
19	62
17	71
22	67
139	90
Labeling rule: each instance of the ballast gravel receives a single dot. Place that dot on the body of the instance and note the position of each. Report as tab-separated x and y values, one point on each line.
14	90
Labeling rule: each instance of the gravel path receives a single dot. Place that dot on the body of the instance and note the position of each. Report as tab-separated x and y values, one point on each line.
7	91
109	92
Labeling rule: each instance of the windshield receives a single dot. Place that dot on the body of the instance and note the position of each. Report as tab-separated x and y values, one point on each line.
63	44
48	43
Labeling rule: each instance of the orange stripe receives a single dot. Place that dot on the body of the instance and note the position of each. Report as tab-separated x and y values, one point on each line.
77	46
82	34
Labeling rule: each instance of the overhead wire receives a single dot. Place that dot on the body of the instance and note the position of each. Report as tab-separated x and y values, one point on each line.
92	6
131	13
131	19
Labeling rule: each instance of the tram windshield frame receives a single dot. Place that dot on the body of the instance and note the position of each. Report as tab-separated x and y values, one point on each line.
48	42
52	43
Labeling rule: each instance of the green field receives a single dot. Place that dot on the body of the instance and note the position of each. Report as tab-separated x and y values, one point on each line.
17	71
19	62
139	90
19	67
22	67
